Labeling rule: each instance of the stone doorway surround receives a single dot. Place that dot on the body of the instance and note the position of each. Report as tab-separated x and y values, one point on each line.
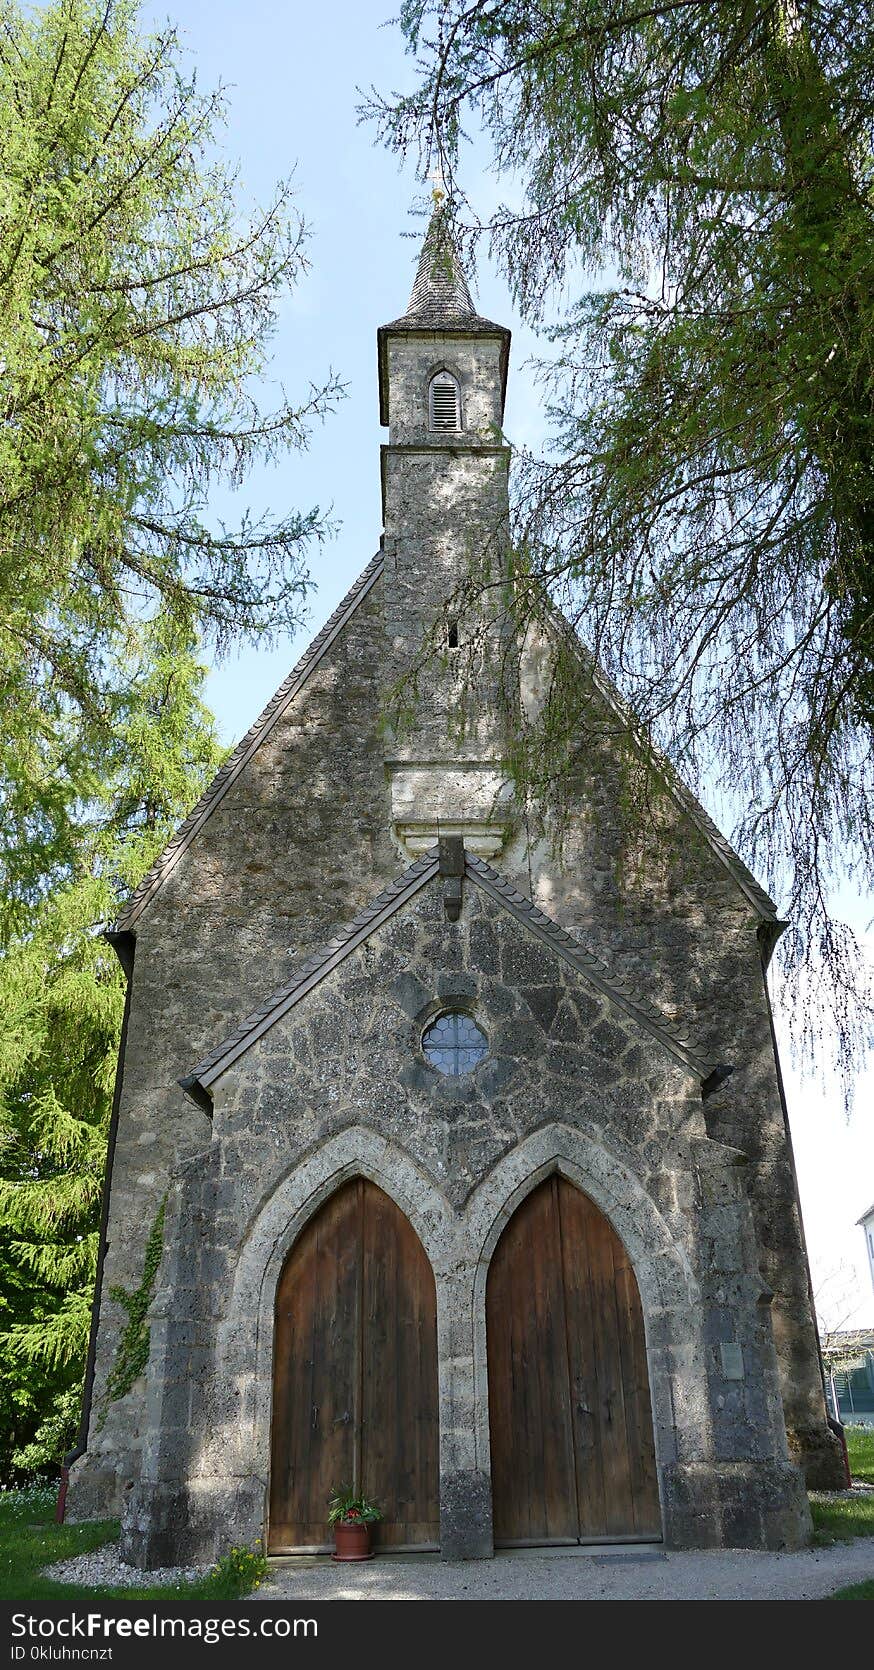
226	1491
459	1246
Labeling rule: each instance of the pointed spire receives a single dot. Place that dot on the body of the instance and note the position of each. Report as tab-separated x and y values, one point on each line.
440	292
440	304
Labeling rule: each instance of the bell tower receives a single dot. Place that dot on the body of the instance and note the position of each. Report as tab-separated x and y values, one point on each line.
442	384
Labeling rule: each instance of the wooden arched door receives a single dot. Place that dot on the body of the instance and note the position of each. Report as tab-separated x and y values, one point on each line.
569	1404
355	1374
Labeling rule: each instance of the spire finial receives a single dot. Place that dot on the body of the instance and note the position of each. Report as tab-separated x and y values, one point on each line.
438	186
441	288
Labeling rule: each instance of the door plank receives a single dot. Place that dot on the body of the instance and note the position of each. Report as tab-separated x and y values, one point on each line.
597	1240
585	1386
569	1404
638	1403
315	1397
533	1493
400	1467
355	1374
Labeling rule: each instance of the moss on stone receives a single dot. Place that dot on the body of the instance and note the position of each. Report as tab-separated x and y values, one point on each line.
132	1351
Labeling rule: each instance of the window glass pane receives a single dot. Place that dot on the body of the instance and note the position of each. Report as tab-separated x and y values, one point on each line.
453	1043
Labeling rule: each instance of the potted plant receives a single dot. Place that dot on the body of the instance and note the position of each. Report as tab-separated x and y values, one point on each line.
352	1517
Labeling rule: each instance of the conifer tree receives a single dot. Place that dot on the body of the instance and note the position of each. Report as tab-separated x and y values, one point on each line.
138	295
137	301
61	996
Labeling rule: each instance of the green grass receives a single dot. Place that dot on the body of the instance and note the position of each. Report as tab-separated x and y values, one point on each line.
840	1520
837	1519
857	1591
860	1444
29	1540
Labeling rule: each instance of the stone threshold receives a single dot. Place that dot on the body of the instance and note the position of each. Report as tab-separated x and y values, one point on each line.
605	1552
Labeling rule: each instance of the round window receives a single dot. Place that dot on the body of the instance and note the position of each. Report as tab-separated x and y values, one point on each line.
454	1044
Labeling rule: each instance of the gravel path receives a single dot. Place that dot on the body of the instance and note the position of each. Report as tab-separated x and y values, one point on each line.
104	1566
651	1575
618	1575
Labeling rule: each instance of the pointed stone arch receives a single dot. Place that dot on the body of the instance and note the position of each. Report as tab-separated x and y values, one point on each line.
459	1245
355	1383
246	1333
661	1264
668	1289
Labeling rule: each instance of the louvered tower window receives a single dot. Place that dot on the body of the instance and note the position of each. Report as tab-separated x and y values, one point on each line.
444	402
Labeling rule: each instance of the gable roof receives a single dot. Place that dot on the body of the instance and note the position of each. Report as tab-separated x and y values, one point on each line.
167	860
179	843
197	1083
440	301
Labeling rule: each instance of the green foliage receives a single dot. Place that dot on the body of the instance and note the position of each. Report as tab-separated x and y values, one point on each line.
132	1351
706	510
54	1437
62	996
237	1573
29	1541
137	301
857	1591
345	1507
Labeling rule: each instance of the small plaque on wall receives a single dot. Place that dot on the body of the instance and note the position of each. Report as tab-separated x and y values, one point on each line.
732	1360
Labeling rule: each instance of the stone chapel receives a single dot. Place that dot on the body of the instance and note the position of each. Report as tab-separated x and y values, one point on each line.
453	1160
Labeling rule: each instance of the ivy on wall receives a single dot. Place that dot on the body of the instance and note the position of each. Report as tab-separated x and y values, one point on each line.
132	1351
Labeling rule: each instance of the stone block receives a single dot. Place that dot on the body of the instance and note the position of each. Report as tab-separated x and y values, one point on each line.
466	1516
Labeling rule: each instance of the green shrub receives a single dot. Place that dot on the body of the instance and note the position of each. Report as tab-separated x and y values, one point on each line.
237	1573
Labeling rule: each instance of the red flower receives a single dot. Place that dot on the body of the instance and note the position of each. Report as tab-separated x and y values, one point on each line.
352	1513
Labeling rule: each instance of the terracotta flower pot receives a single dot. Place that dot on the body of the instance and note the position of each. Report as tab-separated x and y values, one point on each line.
352	1541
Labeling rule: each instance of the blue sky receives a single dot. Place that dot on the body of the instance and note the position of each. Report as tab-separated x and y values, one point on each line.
291	71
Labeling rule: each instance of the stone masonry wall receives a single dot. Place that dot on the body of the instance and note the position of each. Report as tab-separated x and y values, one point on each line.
302	841
299	844
650	895
347	1059
414	357
446	508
